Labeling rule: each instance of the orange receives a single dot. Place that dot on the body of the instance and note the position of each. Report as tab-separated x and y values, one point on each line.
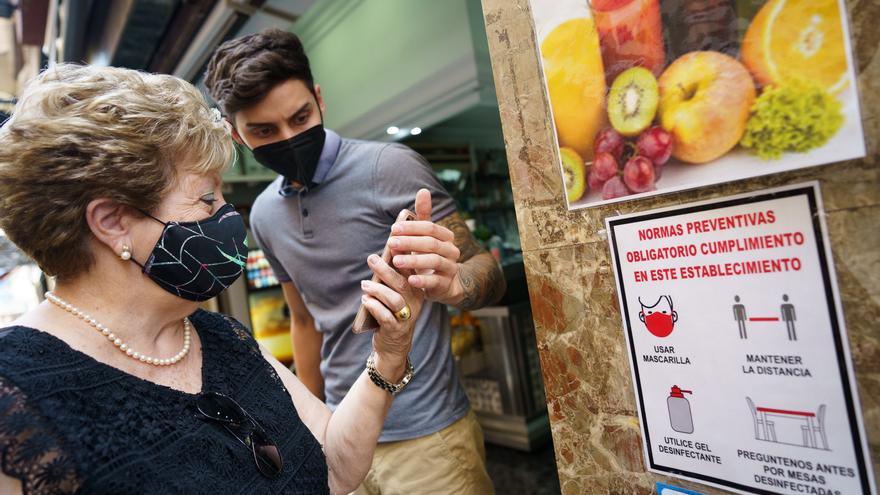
800	39
576	82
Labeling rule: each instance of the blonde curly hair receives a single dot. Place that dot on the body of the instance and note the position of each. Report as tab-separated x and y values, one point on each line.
79	133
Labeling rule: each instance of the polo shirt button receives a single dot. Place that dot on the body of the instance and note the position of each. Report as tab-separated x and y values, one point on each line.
306	212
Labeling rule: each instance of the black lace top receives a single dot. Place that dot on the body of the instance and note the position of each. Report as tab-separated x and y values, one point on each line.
70	424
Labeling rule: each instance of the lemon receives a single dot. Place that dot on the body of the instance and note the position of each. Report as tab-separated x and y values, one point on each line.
576	82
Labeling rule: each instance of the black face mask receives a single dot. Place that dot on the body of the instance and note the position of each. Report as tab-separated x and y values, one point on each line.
295	158
198	260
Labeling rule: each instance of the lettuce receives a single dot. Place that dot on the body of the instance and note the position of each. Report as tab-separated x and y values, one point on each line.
795	116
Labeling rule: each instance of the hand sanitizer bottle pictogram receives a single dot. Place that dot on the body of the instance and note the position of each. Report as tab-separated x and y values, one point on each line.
680	411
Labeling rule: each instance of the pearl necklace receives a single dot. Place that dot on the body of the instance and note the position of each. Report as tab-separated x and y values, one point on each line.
123	347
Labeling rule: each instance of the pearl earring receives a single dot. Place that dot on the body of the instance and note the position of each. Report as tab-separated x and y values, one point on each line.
126	253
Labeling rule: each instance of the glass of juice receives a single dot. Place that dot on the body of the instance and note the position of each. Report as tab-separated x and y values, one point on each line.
630	35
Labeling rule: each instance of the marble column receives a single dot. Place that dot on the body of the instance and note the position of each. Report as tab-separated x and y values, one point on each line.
571	285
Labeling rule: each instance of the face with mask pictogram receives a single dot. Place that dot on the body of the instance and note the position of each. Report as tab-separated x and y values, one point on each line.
659	318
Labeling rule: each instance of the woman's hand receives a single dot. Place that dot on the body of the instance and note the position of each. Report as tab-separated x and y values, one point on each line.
393	340
351	432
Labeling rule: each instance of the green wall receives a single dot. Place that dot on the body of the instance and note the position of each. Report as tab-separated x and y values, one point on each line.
366	53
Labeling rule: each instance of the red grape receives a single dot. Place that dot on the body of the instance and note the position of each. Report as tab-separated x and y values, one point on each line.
609	141
614	188
604	167
638	174
655	144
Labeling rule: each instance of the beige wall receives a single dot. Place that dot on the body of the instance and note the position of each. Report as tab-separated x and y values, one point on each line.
582	345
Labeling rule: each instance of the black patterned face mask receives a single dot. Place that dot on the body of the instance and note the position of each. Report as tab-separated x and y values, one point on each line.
295	158
198	260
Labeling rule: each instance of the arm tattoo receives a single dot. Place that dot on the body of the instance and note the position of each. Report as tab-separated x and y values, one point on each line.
464	240
480	275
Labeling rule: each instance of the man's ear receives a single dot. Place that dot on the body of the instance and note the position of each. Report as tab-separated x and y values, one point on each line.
320	99
642	316
235	135
674	316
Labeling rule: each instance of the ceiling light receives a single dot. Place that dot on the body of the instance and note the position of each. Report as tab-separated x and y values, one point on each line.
416	131
393	130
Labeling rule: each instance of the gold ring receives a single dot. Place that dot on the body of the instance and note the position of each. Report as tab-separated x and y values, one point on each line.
404	314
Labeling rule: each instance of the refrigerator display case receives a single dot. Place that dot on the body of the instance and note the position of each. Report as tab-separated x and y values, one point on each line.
257	301
501	373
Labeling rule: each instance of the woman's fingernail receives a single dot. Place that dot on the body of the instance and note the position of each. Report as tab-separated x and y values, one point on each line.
400	261
364	299
396	228
394	243
364	284
373	259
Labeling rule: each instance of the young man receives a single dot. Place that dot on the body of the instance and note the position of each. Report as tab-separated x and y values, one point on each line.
332	206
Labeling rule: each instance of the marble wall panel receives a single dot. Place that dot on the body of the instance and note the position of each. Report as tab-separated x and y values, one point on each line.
573	294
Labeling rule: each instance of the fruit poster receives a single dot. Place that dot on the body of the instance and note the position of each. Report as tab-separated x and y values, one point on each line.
738	347
651	96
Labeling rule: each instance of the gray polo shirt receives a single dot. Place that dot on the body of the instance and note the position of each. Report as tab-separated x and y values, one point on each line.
319	239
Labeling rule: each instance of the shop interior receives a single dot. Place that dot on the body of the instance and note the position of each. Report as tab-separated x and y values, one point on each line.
416	73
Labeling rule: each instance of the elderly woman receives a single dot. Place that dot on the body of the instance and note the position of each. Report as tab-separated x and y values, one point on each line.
118	383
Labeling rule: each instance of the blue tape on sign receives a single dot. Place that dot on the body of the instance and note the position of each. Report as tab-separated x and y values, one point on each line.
664	489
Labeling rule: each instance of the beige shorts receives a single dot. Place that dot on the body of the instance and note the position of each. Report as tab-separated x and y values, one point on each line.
452	460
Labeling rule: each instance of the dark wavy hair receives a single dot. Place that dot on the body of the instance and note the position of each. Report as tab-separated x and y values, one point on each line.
243	70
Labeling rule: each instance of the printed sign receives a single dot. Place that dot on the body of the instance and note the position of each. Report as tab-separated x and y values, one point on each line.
738	348
649	97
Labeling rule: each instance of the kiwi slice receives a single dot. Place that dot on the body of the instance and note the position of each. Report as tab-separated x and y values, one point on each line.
574	174
632	101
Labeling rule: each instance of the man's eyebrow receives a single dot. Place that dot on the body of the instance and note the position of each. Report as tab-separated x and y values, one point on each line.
259	124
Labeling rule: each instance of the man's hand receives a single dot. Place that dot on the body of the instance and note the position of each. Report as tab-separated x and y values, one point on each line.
449	265
430	252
